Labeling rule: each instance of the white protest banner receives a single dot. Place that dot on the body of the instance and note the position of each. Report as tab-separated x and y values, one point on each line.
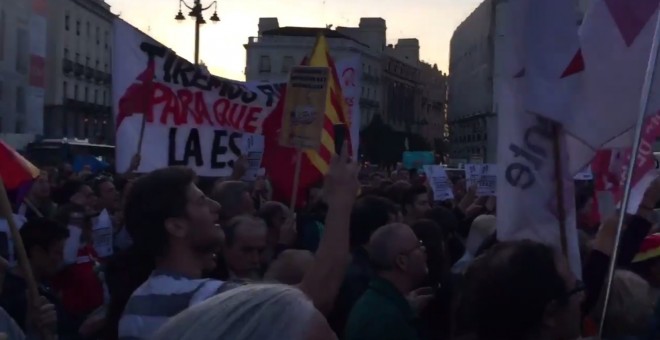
440	183
350	71
528	201
253	148
484	176
102	234
191	118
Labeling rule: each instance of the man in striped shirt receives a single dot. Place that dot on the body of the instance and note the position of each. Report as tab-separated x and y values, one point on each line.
171	218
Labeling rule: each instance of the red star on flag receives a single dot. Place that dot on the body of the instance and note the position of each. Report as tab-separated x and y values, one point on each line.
575	66
631	16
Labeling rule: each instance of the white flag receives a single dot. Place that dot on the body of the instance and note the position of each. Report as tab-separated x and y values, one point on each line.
527	190
616	38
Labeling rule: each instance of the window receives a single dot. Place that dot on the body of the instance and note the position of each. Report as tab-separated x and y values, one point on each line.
3	28
66	22
104	97
89	32
264	64
105	67
96	96
22	55
106	39
97	64
65	90
75	92
20	109
87	61
78	27
86	94
77	57
98	35
287	63
66	53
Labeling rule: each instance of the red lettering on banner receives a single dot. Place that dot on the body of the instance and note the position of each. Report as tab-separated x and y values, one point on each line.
184	106
201	112
645	159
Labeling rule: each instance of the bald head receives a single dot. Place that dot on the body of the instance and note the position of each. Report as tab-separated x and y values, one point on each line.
388	242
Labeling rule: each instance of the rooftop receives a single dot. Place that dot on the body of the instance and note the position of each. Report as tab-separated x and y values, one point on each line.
291	31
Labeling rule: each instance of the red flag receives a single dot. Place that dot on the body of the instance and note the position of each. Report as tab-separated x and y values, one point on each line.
15	171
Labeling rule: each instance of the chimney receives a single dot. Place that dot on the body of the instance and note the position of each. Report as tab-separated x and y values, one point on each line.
408	49
374	31
267	24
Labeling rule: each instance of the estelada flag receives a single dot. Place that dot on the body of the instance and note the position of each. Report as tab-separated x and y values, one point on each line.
15	170
279	161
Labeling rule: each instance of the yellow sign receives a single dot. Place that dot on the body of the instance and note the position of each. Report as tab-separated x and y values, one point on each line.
304	107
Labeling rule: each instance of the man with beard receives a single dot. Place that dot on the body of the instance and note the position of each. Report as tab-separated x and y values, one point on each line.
170	217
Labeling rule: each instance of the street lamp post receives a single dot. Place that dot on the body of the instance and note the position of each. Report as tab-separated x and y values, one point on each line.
196	11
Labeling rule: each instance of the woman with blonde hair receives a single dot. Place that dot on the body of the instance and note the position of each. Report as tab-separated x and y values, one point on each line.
251	312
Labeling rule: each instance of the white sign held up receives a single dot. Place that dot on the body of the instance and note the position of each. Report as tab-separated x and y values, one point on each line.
440	183
484	176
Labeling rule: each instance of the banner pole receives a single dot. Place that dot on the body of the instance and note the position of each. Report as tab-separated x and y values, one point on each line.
559	188
142	127
296	180
643	107
21	253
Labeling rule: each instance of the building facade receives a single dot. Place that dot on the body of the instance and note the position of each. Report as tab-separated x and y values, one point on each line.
20	122
275	50
401	98
473	79
79	71
471	116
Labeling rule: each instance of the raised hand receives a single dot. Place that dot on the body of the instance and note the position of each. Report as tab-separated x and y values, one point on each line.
341	182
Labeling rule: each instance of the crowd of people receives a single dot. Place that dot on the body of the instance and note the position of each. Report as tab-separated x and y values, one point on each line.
369	257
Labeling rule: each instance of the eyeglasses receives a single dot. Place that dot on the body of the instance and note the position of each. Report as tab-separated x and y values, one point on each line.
419	246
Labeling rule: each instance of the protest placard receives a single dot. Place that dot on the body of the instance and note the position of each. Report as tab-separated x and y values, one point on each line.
484	176
439	182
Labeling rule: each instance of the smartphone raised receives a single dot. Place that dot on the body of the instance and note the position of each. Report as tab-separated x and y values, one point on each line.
340	132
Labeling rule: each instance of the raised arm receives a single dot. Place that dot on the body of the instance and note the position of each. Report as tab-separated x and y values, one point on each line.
321	283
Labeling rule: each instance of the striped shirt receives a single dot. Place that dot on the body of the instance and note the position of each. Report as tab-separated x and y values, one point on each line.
162	296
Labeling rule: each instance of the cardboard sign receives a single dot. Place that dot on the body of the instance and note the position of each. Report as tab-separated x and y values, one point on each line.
439	182
253	148
484	176
304	107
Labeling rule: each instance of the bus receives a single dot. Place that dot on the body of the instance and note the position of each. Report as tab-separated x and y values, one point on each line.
53	152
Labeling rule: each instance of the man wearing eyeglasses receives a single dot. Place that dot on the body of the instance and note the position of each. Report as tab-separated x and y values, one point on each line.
388	309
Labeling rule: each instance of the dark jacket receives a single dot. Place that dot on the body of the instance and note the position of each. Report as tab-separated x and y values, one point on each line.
382	313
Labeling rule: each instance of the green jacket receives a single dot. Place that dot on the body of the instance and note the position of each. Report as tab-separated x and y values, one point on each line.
382	313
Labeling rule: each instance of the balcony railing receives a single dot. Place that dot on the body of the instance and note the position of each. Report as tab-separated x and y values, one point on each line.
89	72
369	103
78	69
99	76
369	78
67	66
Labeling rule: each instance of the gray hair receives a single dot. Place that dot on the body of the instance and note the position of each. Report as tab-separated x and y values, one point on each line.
250	312
384	245
630	308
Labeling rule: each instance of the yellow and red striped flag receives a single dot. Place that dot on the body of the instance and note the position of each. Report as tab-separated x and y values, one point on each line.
280	161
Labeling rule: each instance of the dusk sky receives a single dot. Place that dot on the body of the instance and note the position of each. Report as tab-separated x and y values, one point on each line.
430	21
